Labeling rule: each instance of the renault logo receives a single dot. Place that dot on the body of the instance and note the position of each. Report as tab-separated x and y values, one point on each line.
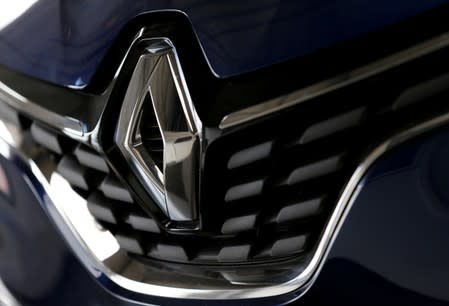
157	87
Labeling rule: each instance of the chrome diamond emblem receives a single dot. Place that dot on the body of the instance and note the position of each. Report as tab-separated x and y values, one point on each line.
157	84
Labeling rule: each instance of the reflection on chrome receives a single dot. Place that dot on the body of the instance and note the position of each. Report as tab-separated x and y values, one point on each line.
97	239
158	76
70	126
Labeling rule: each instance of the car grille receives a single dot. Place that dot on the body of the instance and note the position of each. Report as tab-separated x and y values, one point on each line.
272	184
268	187
91	177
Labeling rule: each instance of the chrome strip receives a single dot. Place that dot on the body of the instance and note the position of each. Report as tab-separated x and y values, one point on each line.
113	267
339	81
70	126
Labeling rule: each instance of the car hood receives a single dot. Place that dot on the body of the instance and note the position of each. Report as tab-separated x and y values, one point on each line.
63	42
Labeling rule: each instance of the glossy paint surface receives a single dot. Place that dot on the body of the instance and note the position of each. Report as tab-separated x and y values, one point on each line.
64	41
392	247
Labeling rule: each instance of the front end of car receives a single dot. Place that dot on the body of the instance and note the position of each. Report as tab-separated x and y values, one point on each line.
160	165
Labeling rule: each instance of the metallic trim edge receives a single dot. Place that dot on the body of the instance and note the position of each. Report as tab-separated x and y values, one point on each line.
68	125
302	281
334	83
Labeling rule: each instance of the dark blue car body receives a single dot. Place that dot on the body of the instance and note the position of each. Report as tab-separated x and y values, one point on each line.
392	246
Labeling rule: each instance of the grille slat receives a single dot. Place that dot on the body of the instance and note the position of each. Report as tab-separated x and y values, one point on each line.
245	190
142	222
288	246
239	224
113	189
172	251
299	211
234	253
102	209
78	175
250	155
333	125
314	170
44	137
89	158
130	243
